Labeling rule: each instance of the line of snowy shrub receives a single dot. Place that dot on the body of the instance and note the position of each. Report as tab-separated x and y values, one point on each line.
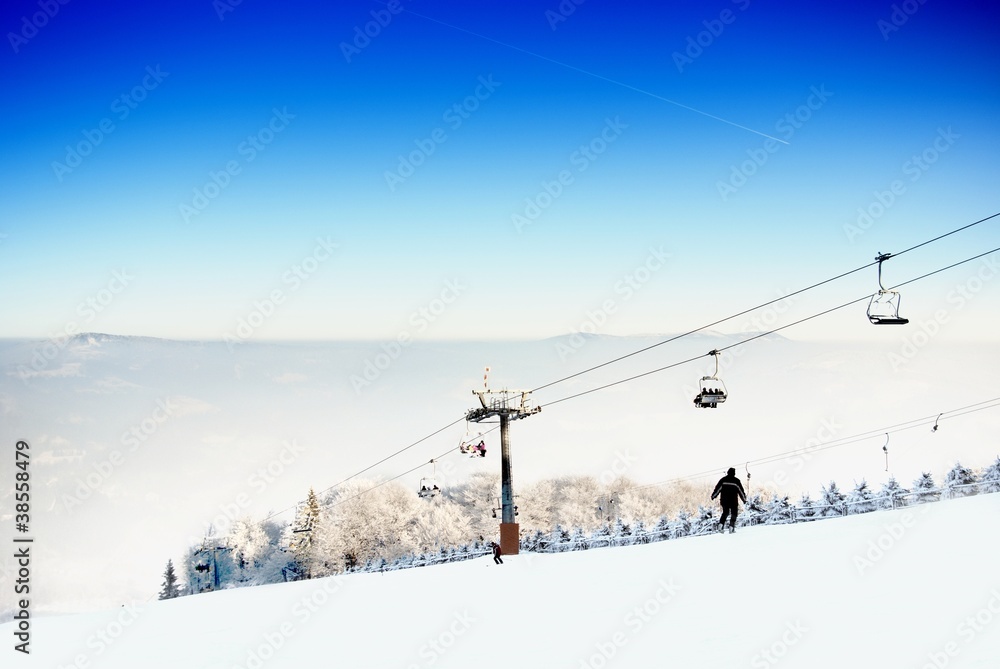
356	528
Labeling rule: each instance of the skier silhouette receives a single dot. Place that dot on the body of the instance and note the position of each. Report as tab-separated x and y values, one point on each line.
497	553
730	488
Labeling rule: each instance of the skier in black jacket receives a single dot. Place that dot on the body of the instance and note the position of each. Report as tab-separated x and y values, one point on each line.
730	488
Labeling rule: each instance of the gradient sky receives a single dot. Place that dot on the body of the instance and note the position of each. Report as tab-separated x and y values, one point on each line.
347	120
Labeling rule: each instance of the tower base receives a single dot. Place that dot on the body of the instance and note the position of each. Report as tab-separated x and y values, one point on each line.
509	538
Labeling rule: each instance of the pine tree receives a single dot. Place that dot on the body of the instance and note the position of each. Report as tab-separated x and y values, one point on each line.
705	521
578	540
753	511
778	511
832	501
639	533
990	478
861	499
304	544
890	491
925	488
662	529
681	527
959	476
170	588
805	507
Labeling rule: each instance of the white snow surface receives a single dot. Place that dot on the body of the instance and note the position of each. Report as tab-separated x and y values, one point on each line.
914	587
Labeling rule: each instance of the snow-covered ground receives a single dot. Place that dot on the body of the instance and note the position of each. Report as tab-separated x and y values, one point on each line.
915	587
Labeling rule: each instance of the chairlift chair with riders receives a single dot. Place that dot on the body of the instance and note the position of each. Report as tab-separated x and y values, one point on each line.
428	485
474	447
712	390
883	309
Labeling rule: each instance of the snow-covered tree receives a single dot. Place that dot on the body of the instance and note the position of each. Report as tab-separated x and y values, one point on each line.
477	497
170	587
250	546
681	526
706	520
621	533
639	533
959	476
804	509
661	530
861	499
578	540
990	478
302	537
891	490
778	510
831	501
577	502
441	522
753	511
559	538
365	521
925	488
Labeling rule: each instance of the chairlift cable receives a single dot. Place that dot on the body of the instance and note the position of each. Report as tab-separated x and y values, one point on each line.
844	441
679	336
759	306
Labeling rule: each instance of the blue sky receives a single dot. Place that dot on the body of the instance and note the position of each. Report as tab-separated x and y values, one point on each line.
302	132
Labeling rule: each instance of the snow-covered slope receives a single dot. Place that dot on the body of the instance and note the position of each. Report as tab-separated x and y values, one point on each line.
909	588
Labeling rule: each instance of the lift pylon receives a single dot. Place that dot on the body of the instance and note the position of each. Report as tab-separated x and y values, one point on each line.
508	405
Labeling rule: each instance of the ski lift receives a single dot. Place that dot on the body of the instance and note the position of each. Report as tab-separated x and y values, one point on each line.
885	449
428	485
883	309
935	428
712	389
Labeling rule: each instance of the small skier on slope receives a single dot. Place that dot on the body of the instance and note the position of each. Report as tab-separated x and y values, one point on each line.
497	553
730	488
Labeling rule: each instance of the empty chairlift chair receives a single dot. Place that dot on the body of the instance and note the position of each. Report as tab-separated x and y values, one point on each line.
883	309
